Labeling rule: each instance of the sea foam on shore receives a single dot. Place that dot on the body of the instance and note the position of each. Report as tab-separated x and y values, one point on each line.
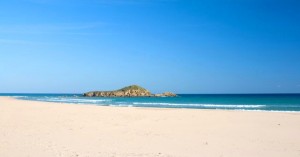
264	102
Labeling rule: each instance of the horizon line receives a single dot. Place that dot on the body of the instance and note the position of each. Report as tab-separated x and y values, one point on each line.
175	93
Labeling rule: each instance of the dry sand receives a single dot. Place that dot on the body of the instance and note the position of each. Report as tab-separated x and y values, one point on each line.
41	129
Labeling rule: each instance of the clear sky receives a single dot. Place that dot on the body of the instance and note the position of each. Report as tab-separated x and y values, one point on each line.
201	46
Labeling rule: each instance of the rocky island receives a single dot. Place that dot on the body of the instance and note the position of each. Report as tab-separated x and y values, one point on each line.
130	91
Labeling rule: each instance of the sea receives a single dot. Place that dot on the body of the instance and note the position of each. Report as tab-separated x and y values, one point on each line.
249	102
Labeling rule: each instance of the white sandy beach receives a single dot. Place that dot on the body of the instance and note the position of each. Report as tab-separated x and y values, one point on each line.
41	129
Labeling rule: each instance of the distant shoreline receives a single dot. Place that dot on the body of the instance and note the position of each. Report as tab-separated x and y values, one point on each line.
176	93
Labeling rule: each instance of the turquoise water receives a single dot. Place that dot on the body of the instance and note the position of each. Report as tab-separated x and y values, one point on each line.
265	102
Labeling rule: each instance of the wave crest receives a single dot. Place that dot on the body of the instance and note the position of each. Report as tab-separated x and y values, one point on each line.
205	105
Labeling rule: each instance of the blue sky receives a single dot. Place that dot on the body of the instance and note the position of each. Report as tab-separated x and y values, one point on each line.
209	46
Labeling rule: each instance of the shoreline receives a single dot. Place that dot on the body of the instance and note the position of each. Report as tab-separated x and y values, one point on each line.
35	128
242	110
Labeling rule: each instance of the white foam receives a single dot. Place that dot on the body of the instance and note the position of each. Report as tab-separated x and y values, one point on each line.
19	96
203	105
74	100
233	106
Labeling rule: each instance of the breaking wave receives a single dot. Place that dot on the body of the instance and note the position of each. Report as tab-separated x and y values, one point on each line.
203	105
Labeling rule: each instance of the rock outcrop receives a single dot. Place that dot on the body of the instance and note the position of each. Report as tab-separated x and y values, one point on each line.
130	91
169	94
166	94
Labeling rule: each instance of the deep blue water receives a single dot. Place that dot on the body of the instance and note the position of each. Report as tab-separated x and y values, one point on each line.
265	102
